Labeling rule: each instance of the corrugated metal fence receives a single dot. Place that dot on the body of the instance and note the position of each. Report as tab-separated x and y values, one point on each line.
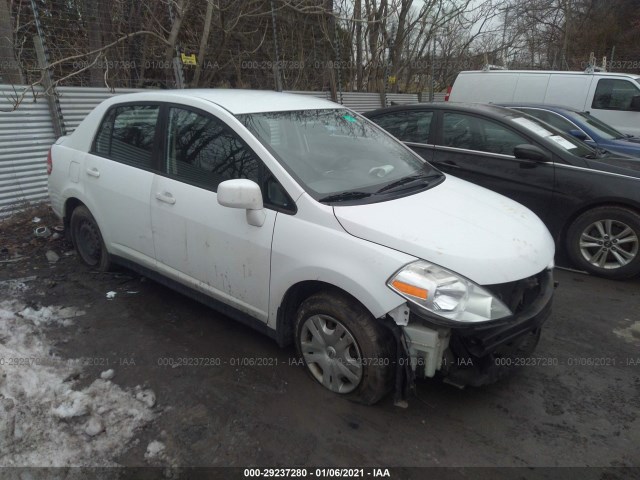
77	102
25	137
27	132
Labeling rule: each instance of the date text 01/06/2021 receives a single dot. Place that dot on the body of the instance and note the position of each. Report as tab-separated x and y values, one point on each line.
317	472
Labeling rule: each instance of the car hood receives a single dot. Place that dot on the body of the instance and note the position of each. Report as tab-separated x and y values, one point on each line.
633	140
465	228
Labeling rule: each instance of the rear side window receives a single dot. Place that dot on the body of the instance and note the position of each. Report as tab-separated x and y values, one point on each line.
407	126
127	135
203	151
612	94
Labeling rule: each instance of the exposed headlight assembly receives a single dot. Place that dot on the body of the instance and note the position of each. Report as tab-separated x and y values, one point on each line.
441	292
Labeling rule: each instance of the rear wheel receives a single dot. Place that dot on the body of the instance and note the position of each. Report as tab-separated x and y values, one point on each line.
605	241
87	239
344	348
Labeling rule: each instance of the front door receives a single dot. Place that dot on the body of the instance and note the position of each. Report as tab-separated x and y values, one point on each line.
199	242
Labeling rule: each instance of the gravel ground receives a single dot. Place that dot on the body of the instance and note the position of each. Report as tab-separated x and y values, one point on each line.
575	405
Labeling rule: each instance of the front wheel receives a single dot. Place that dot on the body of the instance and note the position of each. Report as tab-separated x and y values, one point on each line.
344	348
605	241
87	239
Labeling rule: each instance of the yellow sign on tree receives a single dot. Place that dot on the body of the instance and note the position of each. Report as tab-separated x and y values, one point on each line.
392	80
188	59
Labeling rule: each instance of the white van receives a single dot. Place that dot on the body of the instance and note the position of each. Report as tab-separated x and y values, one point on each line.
614	98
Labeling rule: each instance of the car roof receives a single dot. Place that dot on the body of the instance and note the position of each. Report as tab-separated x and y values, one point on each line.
490	110
554	72
236	101
542	106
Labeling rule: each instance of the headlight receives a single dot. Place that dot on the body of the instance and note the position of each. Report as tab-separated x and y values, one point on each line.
446	294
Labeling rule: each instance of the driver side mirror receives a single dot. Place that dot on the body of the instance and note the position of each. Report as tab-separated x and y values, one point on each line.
243	193
579	134
531	152
635	104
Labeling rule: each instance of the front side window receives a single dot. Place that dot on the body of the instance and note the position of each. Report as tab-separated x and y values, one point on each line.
408	126
604	130
127	135
558	138
612	94
338	156
474	133
203	151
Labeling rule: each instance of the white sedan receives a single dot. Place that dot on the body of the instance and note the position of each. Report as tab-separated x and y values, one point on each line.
308	222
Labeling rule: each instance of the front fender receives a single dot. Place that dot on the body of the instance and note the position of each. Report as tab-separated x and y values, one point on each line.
308	251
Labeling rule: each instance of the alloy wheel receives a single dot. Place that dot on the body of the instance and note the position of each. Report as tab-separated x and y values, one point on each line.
609	244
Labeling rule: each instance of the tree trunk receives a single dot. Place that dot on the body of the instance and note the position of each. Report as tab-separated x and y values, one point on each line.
203	42
94	36
358	19
10	71
175	30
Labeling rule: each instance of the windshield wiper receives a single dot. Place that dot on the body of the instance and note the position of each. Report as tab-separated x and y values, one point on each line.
598	152
407	180
601	152
345	196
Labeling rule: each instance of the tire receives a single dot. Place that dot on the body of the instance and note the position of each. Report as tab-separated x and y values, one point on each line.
605	241
344	348
87	240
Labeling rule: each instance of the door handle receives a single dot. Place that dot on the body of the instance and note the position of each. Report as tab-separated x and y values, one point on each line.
528	164
93	172
166	197
450	164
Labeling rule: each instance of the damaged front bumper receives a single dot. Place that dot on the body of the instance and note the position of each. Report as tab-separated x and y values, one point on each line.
473	354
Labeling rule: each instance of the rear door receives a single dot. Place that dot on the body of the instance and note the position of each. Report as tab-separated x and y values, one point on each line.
118	173
480	150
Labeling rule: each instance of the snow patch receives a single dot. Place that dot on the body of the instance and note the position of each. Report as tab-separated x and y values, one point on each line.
154	450
146	396
51	315
94	426
45	418
630	334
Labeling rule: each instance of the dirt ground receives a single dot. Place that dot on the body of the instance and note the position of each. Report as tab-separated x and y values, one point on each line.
577	404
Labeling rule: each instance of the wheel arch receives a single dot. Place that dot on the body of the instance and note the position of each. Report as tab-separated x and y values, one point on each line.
70	204
616	203
293	297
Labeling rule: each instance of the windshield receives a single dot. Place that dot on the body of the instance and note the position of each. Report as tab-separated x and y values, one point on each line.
557	137
605	131
338	156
